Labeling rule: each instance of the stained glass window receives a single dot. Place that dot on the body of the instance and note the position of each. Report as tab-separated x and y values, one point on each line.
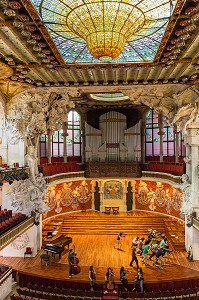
74	134
43	145
57	144
152	138
73	139
78	28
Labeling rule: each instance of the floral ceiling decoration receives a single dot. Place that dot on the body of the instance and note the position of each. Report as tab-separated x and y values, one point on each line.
5	71
10	88
116	31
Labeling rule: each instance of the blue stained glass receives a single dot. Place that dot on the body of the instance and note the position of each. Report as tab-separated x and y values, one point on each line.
63	20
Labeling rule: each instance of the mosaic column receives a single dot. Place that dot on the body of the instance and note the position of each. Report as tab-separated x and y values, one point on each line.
142	129
83	137
188	157
65	134
161	133
192	159
176	134
4	147
49	148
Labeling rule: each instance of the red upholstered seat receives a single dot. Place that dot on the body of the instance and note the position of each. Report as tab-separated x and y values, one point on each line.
28	251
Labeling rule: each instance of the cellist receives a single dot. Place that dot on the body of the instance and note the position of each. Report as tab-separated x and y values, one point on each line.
71	256
110	286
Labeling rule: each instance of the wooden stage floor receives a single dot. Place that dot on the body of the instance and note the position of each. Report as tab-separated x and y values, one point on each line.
99	251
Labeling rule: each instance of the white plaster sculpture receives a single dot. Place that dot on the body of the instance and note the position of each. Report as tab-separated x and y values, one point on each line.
186	195
186	116
27	196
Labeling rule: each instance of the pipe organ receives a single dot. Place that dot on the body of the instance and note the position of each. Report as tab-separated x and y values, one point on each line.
113	141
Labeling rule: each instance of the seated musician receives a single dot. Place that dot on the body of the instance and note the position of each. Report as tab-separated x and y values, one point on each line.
71	256
110	285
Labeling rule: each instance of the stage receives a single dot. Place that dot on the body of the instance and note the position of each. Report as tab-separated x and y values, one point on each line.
98	250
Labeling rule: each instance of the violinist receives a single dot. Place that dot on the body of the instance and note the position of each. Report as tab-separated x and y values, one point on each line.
71	256
92	277
139	278
123	278
110	286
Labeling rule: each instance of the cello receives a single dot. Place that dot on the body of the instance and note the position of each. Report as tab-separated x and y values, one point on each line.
75	261
110	280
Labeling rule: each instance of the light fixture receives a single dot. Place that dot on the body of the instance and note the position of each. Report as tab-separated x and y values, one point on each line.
106	27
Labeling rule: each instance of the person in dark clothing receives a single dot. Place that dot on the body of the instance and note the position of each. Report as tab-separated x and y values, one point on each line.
160	253
140	279
110	285
141	243
92	277
118	241
154	249
71	256
134	257
123	278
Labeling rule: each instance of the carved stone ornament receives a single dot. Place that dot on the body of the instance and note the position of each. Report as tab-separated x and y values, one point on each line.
186	116
29	196
21	242
32	114
164	98
186	195
187	160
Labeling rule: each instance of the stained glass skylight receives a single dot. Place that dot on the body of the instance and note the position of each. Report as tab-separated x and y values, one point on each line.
90	31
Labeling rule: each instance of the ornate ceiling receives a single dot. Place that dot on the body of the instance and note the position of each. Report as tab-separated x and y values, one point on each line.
31	57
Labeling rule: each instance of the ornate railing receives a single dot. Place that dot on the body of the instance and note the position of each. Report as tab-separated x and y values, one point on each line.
57	177
160	175
15	232
112	169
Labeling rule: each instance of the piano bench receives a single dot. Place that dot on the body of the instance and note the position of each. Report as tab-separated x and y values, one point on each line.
45	258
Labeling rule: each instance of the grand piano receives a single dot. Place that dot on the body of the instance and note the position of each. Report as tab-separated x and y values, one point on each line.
56	246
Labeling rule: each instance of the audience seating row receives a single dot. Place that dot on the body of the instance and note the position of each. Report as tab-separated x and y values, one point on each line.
44	160
11	222
191	294
172	168
5	214
57	294
61	291
169	159
52	169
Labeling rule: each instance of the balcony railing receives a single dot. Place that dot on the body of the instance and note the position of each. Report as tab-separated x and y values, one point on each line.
14	232
112	169
195	223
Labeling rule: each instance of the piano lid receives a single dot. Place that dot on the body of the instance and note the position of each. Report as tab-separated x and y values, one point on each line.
61	240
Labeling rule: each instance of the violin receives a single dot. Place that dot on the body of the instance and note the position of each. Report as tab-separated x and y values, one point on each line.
75	261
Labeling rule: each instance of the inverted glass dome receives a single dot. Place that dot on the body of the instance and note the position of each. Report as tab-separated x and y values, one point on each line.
94	31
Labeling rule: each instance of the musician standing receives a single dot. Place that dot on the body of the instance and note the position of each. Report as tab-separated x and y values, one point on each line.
71	256
92	277
139	278
123	278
